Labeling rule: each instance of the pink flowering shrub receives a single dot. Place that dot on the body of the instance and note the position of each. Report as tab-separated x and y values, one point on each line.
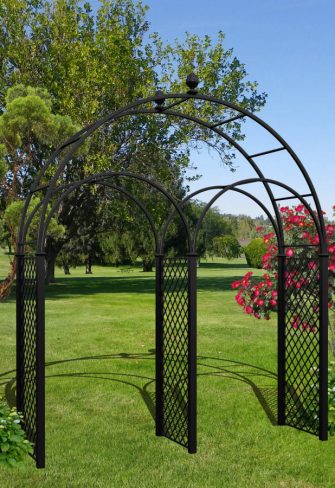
259	297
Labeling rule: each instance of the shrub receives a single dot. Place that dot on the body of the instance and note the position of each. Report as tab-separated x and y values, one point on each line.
331	398
312	408
13	444
254	252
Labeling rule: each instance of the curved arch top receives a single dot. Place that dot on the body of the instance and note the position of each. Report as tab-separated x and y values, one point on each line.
140	107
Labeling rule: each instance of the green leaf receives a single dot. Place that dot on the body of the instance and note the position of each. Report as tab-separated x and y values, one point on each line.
5	447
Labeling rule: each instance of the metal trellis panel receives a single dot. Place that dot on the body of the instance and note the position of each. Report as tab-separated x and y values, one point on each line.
30	350
305	375
176	350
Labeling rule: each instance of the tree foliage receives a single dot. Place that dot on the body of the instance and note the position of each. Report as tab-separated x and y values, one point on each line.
227	247
64	66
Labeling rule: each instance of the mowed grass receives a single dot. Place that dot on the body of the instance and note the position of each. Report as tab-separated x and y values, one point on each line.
100	390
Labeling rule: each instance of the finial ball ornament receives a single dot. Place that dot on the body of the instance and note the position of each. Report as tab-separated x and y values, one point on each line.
192	81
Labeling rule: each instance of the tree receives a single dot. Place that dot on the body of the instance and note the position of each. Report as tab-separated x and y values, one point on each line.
227	247
11	219
91	65
28	131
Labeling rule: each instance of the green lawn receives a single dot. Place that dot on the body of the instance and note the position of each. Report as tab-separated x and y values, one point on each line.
100	385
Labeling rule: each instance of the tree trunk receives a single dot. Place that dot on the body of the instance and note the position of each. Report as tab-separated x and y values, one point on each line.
52	250
6	285
66	269
88	265
147	265
50	271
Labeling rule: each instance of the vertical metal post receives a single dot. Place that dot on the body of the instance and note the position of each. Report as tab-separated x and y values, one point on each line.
19	332
192	353
40	361
159	344
323	348
281	339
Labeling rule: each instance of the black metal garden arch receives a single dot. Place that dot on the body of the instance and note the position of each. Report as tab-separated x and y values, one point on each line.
301	403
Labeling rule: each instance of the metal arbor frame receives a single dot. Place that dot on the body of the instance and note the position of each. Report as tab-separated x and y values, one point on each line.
302	358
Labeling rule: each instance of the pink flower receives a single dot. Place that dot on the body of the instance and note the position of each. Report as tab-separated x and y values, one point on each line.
260	302
267	237
312	265
289	252
315	240
299	208
295	322
236	284
248	309
258	229
273	302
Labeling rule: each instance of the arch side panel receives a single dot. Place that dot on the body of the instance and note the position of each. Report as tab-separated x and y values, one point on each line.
30	351
305	298
176	350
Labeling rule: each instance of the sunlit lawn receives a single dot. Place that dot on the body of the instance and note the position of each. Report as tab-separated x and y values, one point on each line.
100	385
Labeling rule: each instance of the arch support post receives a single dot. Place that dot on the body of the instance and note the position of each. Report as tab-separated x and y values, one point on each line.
192	352
159	344
30	340
19	332
281	340
323	350
40	360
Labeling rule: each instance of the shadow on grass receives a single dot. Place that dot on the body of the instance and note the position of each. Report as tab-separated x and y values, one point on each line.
71	287
226	368
209	265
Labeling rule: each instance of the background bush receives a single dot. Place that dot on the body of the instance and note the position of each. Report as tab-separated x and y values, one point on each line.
254	252
227	247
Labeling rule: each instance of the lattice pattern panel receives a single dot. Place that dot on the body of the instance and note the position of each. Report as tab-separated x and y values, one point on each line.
28	291
175	303
302	283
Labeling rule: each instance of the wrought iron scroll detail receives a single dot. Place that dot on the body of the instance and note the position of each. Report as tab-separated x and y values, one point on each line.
175	349
302	341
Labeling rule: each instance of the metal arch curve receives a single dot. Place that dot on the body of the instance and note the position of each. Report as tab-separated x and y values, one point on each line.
114	187
221	187
109	174
77	140
242	152
322	241
219	132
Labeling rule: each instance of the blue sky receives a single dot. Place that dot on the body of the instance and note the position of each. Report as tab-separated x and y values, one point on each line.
288	47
